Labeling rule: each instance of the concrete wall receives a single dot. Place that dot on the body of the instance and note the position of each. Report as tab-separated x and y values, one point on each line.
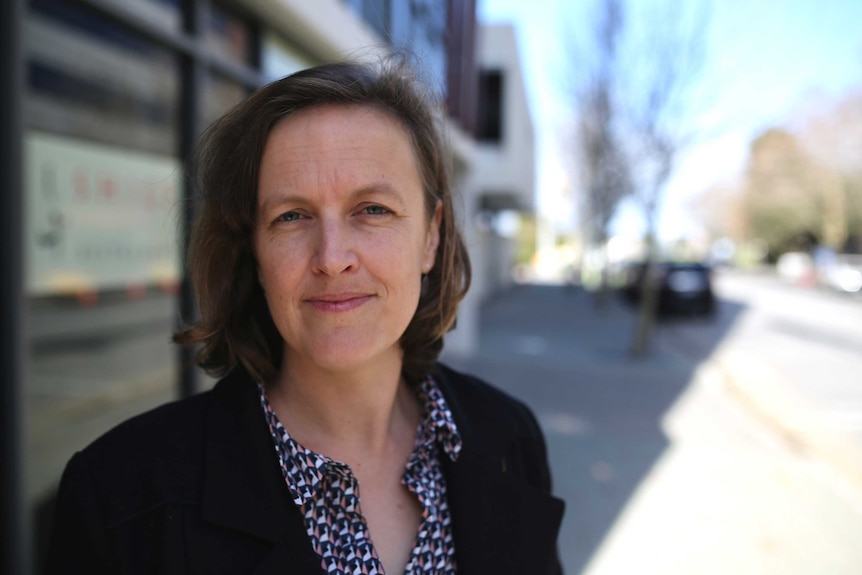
325	29
507	168
503	172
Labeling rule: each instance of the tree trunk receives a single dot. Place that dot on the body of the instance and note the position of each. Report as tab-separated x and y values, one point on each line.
648	303
600	300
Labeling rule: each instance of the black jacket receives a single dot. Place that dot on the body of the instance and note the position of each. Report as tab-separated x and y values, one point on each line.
195	487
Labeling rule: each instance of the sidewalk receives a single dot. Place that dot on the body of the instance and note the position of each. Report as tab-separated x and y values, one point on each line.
564	327
601	410
802	379
802	423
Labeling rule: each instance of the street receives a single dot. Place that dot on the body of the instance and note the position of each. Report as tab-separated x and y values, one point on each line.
812	337
792	356
663	467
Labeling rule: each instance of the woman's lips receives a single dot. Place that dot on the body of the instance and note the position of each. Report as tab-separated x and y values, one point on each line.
338	303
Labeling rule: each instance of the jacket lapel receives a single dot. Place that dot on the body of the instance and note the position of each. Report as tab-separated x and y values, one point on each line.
501	524
244	489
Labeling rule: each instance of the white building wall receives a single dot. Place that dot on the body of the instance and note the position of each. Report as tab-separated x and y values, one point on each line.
464	339
510	166
325	29
504	169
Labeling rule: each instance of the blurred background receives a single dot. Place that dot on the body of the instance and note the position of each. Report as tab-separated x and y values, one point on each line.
662	201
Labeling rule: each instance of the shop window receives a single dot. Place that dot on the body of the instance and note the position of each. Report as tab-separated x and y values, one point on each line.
228	35
90	78
101	185
166	14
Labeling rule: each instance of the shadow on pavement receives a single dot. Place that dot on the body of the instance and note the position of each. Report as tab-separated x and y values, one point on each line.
601	410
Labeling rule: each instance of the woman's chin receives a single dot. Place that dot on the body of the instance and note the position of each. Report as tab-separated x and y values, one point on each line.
343	357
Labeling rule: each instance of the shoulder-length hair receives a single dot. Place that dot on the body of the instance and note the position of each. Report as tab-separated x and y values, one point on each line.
235	326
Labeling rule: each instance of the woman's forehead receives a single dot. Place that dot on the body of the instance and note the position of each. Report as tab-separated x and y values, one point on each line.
341	147
330	119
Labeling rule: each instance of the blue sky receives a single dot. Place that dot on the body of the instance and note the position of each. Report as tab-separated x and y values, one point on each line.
767	60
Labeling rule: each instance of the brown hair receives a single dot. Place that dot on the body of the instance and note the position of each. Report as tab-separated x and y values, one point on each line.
235	326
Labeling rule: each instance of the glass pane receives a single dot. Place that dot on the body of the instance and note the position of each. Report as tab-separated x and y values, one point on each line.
89	78
420	26
102	179
376	14
163	13
220	95
228	35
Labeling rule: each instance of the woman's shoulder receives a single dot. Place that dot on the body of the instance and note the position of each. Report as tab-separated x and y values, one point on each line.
147	460
166	443
469	385
473	399
153	459
496	426
166	427
174	427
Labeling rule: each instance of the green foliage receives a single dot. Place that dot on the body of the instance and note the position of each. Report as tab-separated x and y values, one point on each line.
806	186
525	247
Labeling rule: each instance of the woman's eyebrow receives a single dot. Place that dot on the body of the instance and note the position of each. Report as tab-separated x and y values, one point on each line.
381	188
281	199
377	188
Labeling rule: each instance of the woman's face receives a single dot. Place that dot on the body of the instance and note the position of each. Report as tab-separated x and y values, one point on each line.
342	236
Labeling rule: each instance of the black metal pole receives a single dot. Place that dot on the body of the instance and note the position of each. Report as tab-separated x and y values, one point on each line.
15	558
191	90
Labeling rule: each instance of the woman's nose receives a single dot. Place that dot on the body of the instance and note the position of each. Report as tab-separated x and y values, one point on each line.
335	252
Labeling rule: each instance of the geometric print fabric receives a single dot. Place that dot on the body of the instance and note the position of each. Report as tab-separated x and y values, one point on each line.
327	493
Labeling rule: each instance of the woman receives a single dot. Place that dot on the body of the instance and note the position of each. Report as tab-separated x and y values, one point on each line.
327	269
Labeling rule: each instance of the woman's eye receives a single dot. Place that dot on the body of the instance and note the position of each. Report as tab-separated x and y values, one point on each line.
375	210
289	217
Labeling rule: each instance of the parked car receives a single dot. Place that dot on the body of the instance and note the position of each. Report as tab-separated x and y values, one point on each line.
684	288
796	268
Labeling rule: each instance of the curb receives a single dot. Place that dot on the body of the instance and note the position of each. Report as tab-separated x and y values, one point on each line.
761	390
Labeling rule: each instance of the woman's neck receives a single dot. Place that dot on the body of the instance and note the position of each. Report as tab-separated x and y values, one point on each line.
348	416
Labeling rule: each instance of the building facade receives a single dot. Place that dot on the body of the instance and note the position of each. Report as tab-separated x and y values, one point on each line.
499	186
504	162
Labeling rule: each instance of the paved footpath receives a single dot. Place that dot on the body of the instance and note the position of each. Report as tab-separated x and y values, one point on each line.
795	360
663	469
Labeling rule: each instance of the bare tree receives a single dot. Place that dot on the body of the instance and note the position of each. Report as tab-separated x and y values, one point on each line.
603	168
642	89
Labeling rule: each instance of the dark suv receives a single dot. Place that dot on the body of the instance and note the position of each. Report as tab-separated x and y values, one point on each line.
684	288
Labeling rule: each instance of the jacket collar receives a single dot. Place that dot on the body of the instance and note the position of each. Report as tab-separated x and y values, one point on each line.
501	524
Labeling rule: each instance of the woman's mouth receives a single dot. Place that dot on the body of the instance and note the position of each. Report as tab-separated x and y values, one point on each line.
338	302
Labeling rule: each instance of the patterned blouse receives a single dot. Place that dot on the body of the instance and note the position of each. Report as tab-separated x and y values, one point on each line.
326	492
